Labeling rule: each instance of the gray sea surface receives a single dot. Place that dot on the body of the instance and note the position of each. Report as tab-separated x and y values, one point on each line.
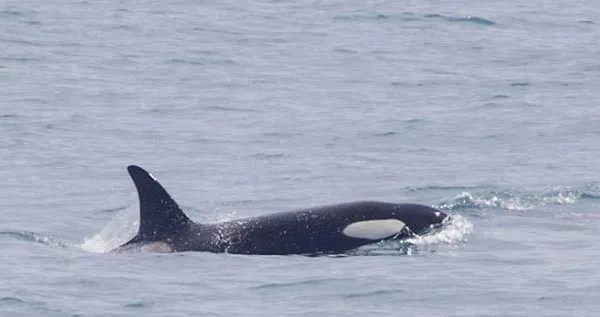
487	110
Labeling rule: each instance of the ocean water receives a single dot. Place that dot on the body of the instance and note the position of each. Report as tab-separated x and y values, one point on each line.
487	110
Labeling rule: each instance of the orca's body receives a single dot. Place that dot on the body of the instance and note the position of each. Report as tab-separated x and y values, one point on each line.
321	230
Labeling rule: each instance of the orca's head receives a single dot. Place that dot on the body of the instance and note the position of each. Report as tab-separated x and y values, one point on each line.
396	220
421	219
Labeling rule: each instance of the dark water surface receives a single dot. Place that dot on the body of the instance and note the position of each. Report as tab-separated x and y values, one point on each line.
486	110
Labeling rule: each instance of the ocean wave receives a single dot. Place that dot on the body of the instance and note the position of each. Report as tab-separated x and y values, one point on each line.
36	237
468	18
11	13
408	16
292	284
374	293
519	200
11	301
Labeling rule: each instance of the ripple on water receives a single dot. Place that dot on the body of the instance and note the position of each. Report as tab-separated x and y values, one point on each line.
404	16
204	61
375	293
511	200
137	305
6	301
468	18
309	282
35	237
9	13
520	84
408	16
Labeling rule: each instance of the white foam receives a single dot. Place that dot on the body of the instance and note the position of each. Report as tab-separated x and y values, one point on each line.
120	229
562	196
455	230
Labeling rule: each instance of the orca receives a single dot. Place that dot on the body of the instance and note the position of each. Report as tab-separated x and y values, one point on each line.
331	229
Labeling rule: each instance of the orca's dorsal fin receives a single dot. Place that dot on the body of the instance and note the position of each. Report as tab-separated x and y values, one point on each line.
160	216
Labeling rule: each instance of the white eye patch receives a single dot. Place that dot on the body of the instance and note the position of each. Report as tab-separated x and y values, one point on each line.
374	229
